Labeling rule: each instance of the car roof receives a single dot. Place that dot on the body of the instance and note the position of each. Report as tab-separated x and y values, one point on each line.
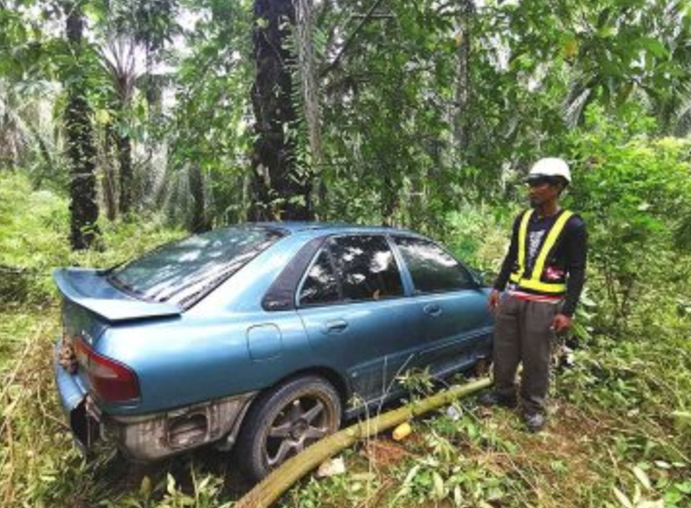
334	228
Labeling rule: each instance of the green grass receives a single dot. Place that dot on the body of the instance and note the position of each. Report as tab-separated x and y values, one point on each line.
595	443
485	458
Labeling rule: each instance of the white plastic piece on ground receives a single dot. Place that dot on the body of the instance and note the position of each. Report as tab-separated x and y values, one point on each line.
331	467
453	413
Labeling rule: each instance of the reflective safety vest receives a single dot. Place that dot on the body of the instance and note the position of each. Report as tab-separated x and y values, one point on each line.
533	280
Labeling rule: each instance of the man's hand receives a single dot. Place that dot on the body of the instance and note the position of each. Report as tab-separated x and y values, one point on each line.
493	300
561	323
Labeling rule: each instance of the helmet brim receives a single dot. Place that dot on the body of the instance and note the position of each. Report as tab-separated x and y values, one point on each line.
552	179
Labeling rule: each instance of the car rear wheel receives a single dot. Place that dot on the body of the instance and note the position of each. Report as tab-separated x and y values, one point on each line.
284	421
483	366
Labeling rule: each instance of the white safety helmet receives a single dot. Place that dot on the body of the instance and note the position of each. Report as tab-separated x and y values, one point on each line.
550	167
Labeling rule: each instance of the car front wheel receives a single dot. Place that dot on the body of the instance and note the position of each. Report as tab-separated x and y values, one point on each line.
284	421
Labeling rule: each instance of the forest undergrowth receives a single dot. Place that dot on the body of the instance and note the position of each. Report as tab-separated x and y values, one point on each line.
618	433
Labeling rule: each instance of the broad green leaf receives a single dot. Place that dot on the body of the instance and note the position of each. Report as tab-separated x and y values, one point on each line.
654	46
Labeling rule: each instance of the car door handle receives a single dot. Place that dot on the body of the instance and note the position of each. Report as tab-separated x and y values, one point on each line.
432	309
335	326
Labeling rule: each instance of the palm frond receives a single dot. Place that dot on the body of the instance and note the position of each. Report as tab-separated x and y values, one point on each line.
574	106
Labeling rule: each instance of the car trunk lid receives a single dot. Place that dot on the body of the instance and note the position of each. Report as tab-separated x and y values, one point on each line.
89	290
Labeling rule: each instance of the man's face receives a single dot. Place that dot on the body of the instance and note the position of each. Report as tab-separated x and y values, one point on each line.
542	190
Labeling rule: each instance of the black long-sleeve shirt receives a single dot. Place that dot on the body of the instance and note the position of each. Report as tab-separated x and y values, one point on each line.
569	255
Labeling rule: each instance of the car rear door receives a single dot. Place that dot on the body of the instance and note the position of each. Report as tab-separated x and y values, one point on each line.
354	308
450	303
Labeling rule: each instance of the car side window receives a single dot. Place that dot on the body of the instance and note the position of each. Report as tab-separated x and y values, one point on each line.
432	269
366	268
321	285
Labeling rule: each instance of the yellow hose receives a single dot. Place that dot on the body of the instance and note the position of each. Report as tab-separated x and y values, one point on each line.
282	478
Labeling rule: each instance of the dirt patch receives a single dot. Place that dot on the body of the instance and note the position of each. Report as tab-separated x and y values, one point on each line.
383	453
557	463
563	452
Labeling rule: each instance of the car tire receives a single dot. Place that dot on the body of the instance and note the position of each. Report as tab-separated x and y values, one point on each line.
483	366
285	420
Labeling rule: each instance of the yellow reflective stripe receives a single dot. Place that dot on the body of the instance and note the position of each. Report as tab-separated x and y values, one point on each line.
549	244
522	235
544	287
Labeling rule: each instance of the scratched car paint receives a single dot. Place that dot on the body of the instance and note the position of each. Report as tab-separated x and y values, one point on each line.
257	336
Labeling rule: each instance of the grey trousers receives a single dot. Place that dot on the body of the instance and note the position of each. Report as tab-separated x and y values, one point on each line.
522	335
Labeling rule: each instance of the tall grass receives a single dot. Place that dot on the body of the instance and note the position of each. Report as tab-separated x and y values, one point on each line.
39	466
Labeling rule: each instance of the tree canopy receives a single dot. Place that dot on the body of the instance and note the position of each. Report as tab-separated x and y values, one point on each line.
380	111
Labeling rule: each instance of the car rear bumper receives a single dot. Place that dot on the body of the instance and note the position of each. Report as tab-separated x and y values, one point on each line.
73	399
150	437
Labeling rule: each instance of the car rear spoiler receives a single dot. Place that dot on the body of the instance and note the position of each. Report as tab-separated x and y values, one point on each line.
90	289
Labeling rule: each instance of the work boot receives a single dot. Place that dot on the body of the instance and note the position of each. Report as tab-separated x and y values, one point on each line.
497	399
534	422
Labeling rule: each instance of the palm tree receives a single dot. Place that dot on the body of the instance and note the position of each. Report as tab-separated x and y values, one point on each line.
14	134
280	191
118	57
80	145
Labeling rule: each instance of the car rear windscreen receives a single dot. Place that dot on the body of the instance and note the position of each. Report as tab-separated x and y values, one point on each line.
182	272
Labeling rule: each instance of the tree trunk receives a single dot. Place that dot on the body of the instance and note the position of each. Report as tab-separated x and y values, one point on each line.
123	144
199	222
80	144
280	190
463	86
108	183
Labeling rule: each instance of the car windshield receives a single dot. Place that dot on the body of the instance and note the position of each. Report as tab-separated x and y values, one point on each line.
183	272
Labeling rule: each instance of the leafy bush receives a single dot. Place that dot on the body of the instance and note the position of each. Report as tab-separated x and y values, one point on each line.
480	235
635	195
34	239
33	236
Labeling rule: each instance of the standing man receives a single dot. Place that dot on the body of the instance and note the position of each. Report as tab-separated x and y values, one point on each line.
542	277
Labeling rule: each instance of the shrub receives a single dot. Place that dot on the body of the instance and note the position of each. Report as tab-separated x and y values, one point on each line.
480	235
34	239
635	196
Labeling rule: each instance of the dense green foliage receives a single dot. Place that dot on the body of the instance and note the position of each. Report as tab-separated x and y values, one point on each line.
418	104
34	239
423	114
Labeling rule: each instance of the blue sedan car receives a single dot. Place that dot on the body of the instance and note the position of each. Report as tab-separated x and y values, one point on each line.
256	337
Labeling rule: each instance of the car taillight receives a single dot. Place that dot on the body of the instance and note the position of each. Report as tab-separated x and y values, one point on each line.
111	381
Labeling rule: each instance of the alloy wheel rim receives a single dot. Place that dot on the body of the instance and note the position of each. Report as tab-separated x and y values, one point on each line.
300	423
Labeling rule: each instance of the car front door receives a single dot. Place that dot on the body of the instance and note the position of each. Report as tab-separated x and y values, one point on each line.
352	303
450	303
